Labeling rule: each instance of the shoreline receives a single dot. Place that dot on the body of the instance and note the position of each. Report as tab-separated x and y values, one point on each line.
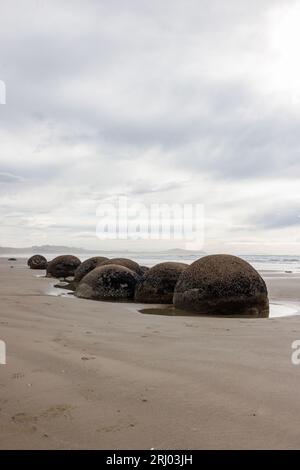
279	307
84	374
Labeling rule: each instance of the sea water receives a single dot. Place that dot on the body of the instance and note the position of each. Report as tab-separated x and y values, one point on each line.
275	263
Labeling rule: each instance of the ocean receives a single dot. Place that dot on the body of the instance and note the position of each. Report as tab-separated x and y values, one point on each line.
277	263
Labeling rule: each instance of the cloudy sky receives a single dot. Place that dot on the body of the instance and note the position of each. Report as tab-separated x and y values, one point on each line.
162	101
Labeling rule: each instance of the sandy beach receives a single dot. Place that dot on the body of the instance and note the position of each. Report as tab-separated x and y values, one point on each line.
98	375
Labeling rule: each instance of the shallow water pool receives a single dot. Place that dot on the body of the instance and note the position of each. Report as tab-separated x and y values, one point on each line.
59	292
277	310
283	310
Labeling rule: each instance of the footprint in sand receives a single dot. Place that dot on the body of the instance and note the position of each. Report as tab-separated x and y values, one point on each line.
57	339
55	411
115	427
23	418
18	375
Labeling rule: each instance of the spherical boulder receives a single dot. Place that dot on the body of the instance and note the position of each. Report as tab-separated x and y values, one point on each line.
158	284
111	282
86	266
127	263
37	262
63	266
222	285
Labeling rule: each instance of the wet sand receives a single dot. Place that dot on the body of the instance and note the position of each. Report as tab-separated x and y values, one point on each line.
90	375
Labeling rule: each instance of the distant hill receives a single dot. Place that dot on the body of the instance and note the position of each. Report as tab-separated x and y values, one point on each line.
46	249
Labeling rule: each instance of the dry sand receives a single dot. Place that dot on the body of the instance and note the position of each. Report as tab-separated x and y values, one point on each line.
84	374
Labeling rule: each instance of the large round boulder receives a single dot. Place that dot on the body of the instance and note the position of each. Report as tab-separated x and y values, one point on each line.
127	263
63	266
88	265
37	262
222	285
112	282
158	284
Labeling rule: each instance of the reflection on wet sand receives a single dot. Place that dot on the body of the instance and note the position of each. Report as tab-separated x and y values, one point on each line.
277	310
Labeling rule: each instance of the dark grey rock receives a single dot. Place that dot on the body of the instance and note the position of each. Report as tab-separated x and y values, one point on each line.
37	262
112	282
158	284
63	266
143	270
222	285
127	263
87	266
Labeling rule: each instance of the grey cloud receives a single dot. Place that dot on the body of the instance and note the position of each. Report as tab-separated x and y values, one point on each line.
142	187
95	84
280	217
204	123
10	178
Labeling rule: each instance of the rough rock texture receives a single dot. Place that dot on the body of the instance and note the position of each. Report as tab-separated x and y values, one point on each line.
87	266
143	270
111	282
158	284
37	262
222	285
63	266
127	263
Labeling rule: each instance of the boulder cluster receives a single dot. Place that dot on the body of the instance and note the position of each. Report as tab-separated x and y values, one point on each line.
213	285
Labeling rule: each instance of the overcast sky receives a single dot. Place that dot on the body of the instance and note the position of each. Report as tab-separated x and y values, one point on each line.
190	101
